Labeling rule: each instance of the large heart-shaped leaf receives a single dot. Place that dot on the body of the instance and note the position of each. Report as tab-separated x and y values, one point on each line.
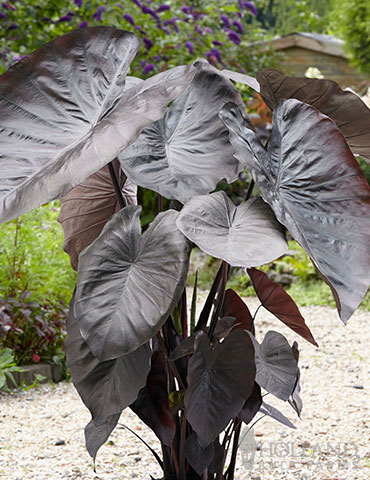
276	300
220	379
345	108
247	235
188	151
87	208
64	113
313	183
106	388
152	404
276	365
129	283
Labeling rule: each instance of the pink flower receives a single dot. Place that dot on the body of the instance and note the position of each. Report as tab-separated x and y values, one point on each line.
36	358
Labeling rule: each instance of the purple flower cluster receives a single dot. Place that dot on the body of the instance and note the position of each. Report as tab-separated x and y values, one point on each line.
98	13
129	18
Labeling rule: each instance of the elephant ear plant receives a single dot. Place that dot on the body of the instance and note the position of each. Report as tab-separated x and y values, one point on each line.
75	127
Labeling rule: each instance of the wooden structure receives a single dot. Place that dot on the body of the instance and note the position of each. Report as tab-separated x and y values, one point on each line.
325	52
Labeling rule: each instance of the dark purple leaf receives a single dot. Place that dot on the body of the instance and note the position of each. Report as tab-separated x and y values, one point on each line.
198	457
223	230
174	156
235	307
317	190
274	413
129	283
97	435
219	380
346	109
50	146
276	300
276	366
106	388
152	404
218	460
87	208
251	405
295	399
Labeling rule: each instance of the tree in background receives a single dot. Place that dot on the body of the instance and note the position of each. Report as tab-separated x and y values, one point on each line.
171	32
288	16
350	20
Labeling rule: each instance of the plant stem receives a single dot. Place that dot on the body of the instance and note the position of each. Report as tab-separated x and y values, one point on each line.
184	314
203	317
220	300
170	364
119	196
160	203
250	190
182	470
231	469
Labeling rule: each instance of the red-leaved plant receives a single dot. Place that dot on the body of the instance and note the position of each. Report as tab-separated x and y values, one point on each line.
67	111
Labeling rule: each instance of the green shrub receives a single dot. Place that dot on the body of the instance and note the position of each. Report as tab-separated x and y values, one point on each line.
32	258
34	333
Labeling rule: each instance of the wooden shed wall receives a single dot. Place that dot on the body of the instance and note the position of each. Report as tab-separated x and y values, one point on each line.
331	66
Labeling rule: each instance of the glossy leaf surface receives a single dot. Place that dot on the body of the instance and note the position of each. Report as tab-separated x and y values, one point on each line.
346	109
106	388
187	152
129	283
64	113
152	404
219	381
314	184
87	208
276	300
276	365
245	236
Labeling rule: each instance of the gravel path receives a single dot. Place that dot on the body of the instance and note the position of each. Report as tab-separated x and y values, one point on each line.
41	431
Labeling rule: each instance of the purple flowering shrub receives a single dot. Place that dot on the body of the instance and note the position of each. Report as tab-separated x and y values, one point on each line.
171	33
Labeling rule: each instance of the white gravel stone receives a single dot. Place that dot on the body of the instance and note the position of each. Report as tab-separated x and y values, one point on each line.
331	442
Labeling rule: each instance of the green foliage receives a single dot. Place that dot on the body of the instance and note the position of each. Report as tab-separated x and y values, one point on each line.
7	367
32	258
169	37
283	18
365	167
33	332
350	20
